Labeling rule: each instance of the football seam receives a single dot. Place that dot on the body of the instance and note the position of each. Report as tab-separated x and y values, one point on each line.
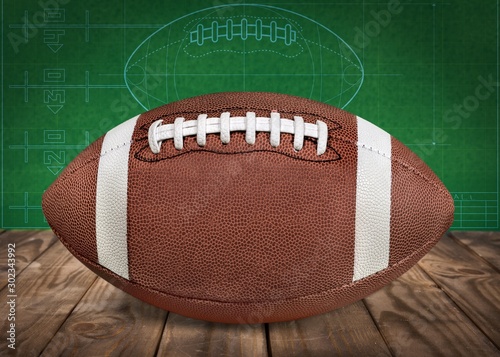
141	157
392	158
114	148
355	143
115	276
97	157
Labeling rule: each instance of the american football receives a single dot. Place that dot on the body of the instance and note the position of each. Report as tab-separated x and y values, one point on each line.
246	47
248	207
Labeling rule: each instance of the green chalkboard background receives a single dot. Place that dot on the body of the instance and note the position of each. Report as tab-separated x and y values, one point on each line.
425	71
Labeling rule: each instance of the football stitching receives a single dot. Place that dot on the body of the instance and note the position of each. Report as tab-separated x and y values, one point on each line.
185	29
403	164
92	159
225	124
145	126
146	147
371	148
114	148
398	161
359	145
145	129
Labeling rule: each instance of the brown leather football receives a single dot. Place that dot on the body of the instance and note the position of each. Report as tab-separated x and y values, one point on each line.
248	207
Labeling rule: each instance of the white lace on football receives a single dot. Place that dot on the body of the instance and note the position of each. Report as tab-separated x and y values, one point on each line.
250	124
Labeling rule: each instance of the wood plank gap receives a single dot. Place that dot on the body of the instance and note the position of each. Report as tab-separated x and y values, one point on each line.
70	311
107	321
457	306
418	318
438	285
488	248
268	340
163	332
46	292
29	246
347	331
459	242
184	336
391	351
455	291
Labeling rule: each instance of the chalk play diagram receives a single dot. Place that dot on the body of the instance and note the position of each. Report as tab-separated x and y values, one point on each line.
73	70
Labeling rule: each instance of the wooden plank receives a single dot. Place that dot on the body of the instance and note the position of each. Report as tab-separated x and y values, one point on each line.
472	284
189	337
61	309
28	246
417	318
47	291
484	244
109	322
348	331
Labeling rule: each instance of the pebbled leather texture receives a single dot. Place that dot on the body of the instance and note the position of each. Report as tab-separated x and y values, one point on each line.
241	233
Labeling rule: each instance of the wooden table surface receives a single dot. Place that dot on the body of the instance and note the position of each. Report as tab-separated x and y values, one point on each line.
446	305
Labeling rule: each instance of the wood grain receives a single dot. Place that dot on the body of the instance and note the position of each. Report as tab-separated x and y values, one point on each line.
447	305
47	291
472	283
28	246
109	322
188	337
416	318
484	244
348	331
